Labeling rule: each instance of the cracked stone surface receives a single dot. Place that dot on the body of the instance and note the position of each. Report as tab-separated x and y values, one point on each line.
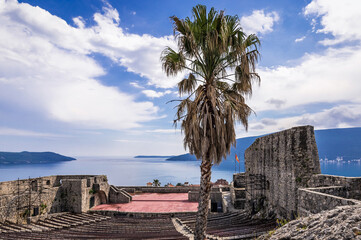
340	223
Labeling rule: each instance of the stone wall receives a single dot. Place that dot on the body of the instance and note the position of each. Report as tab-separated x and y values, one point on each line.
119	195
28	199
313	200
276	166
326	192
216	202
238	190
352	185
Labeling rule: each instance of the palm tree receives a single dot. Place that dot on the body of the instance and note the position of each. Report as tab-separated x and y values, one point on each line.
156	183
219	60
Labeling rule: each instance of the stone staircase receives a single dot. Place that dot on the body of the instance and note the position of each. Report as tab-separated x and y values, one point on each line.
117	195
60	221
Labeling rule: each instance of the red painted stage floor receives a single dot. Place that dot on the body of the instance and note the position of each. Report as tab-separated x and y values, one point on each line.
153	203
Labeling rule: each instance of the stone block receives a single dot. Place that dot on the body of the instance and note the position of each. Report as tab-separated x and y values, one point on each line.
239	203
240	193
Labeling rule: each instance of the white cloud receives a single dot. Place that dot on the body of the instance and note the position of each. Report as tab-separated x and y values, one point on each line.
136	85
164	131
342	19
347	115
300	39
259	22
154	94
342	116
276	102
137	53
25	133
45	68
332	76
126	141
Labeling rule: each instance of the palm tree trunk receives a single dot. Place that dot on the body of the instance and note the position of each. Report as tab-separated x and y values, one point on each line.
203	206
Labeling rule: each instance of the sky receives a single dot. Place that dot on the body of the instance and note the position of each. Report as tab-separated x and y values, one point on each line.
83	78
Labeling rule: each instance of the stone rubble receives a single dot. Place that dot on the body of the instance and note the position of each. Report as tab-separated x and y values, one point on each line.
341	223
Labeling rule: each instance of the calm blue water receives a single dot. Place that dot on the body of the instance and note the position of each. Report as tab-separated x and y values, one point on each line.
139	171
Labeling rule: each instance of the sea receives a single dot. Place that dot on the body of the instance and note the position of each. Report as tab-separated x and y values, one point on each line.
130	171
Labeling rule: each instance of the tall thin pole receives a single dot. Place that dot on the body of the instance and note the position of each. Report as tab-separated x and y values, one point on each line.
29	207
18	203
40	190
239	166
235	164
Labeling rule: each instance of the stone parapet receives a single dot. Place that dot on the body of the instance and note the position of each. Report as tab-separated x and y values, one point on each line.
312	200
352	185
118	195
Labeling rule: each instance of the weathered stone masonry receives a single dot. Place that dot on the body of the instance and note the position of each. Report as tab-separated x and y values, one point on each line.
276	166
29	199
282	178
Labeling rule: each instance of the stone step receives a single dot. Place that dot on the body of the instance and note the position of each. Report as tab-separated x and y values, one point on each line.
21	228
66	221
50	226
36	228
82	218
72	219
2	230
50	221
97	216
9	228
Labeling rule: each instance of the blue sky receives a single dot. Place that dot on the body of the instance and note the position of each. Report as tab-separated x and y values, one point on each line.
83	78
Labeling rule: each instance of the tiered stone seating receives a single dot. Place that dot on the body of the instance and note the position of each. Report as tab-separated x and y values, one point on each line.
61	221
232	224
108	228
94	226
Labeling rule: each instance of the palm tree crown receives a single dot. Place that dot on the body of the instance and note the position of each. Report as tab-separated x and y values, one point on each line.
210	46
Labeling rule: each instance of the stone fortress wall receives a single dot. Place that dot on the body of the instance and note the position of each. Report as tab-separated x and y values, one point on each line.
283	178
29	199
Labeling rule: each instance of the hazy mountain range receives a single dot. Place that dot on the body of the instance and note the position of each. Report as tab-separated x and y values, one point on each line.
331	143
31	157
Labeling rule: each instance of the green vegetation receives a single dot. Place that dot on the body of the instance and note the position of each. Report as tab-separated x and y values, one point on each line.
211	44
25	214
156	183
281	222
357	232
91	191
43	207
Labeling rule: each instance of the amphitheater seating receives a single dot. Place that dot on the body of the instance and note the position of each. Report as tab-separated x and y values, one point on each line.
232	224
95	226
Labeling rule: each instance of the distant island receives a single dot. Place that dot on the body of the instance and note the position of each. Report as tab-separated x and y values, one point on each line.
32	157
151	156
183	157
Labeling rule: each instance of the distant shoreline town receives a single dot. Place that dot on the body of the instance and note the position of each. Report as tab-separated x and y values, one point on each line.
339	160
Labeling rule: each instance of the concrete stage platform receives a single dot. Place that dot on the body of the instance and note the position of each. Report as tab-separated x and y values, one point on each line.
153	203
